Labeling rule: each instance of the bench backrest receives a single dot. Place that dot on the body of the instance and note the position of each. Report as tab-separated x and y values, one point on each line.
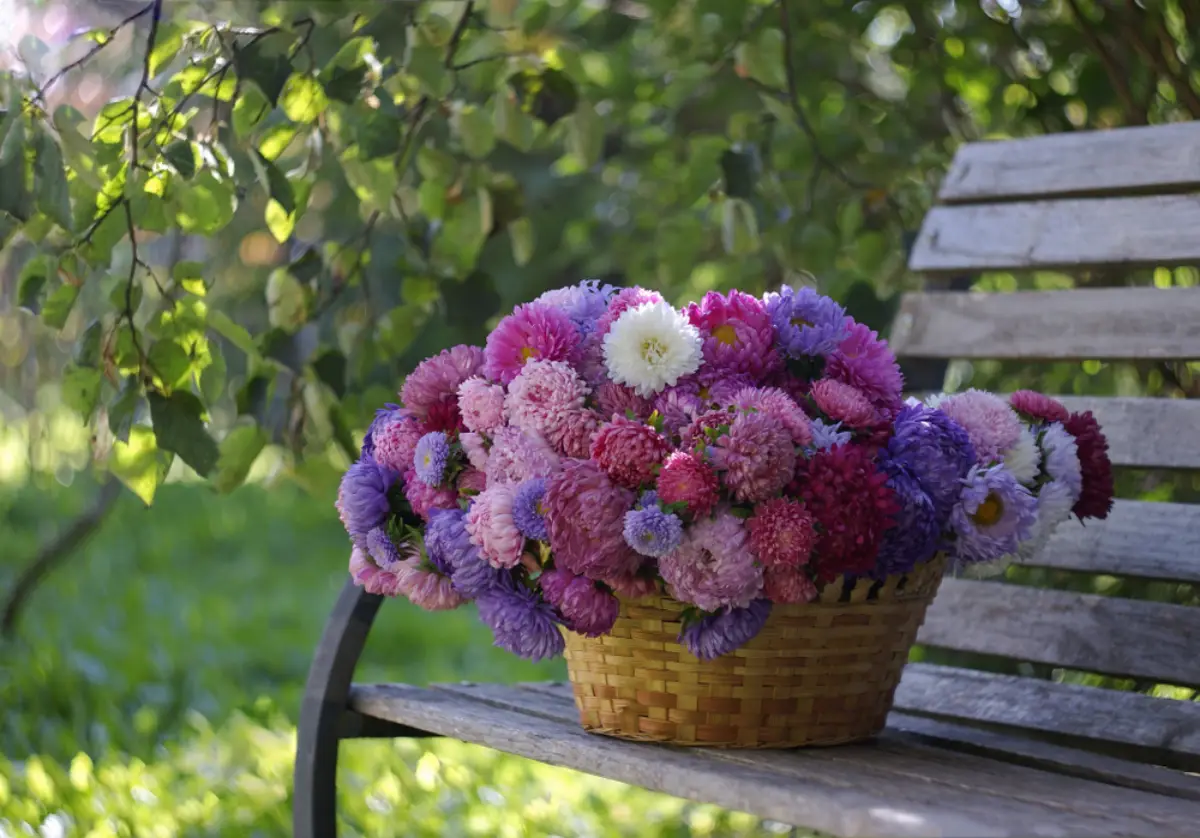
1081	202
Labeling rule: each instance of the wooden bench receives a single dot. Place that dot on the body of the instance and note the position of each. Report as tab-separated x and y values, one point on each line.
966	752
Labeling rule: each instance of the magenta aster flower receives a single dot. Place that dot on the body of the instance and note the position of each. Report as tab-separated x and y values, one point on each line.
516	456
718	634
470	481
738	335
542	394
992	426
779	406
533	331
572	437
843	403
433	386
757	457
613	399
492	529
586	608
687	479
394	440
585	513
424	498
481	405
781	532
521	622
713	568
866	362
697	431
788	586
628	451
362	501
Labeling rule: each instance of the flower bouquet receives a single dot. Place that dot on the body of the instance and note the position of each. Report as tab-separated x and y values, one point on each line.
727	515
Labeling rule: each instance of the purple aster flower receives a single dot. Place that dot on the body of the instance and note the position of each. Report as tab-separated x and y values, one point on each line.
450	550
915	536
806	323
648	499
652	532
528	513
583	303
362	501
383	415
521	622
719	634
586	607
937	451
826	436
994	514
431	457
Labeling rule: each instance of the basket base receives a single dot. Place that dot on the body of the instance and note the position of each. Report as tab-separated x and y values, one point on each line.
757	745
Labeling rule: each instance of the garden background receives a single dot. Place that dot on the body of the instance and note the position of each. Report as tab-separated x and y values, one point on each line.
229	228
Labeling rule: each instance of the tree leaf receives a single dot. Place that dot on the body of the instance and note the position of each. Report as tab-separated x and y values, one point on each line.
87	349
170	362
512	125
275	182
221	323
262	63
138	463
303	99
739	227
239	450
31	283
50	181
738	174
287	304
585	135
13	144
59	304
213	377
523	240
378	135
330	367
248	111
179	428
344	84
190	276
123	408
182	157
476	131
81	389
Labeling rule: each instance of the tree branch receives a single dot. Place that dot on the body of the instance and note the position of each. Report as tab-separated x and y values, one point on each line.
55	552
1164	62
40	93
1135	114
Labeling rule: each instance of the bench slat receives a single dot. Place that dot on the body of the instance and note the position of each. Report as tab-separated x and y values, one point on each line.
1138	538
1125	161
1110	635
1087	323
1155	729
896	786
1059	235
1148	433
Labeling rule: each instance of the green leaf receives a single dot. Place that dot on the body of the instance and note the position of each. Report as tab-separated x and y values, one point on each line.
182	157
204	205
585	135
170	362
344	84
166	46
277	139
214	377
263	63
428	65
14	137
81	389
275	182
389	29
435	164
763	59
330	367
512	125
32	282
77	148
303	99
248	111
287	304
87	348
59	304
112	120
50	181
466	229
139	464
523	237
378	135
179	428
123	408
239	450
221	323
738	174
739	227
190	276
279	222
308	267
476	131
116	297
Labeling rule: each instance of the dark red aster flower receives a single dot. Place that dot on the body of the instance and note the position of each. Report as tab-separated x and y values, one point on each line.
1038	406
1096	499
853	506
444	416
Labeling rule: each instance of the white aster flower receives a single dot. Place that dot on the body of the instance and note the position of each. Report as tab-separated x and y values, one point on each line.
1055	501
1062	458
934	401
651	347
1024	459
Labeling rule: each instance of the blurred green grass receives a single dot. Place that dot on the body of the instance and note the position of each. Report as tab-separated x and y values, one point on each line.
155	683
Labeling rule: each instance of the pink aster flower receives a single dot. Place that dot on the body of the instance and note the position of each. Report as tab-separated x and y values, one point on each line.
757	456
533	331
685	478
1038	406
738	335
677	407
779	406
374	579
470	481
695	433
613	399
481	405
491	528
627	451
396	440
843	403
586	607
424	498
433	385
624	299
585	514
516	456
542	394
712	567
572	437
430	590
476	449
781	533
787	586
992	426
866	362
633	587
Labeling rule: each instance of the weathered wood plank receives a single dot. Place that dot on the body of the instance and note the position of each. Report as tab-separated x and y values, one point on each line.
1087	323
1148	433
1059	235
1126	161
892	787
1159	730
1140	539
1111	635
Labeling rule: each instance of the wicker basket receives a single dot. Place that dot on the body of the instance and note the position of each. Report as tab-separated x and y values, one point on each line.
823	673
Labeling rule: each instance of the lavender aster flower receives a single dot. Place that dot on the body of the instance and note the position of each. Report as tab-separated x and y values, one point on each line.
521	623
993	516
362	501
431	458
648	499
937	451
583	303
806	323
450	550
916	534
528	513
652	532
826	436
719	634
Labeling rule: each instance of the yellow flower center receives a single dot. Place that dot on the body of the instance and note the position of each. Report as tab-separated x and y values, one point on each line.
539	509
527	352
647	536
653	350
726	334
990	511
800	322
